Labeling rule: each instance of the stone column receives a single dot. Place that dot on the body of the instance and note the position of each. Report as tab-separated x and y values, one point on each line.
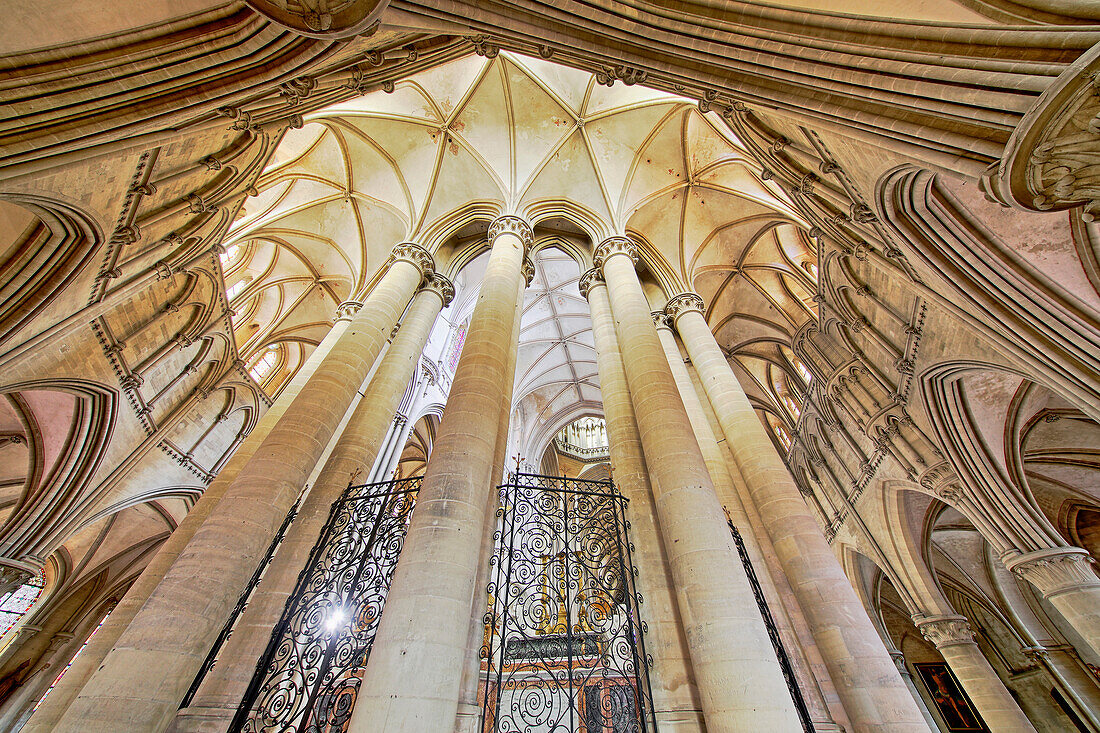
675	695
413	677
954	640
740	682
867	681
142	680
216	700
469	701
1065	577
46	718
907	677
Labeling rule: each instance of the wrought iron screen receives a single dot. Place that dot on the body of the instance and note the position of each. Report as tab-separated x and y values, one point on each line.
309	675
564	651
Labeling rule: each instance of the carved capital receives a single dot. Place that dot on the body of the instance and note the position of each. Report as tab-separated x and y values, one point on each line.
528	271
131	382
413	253
661	320
336	19
590	279
613	246
441	286
1055	571
944	631
347	310
680	304
1050	161
509	224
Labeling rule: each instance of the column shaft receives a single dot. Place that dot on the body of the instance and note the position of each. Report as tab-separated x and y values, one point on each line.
675	694
1066	577
46	718
730	650
470	703
217	698
953	639
413	677
142	680
867	681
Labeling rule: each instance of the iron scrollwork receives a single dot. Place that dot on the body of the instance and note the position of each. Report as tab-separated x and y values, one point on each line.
309	675
564	651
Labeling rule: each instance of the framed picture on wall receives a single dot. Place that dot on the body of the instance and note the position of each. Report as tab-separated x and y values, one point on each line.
951	702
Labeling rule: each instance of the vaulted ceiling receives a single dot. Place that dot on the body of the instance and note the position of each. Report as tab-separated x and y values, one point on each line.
483	136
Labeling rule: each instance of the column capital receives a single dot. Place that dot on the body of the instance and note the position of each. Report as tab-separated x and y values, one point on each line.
347	310
528	271
680	304
612	246
1054	570
441	286
661	320
511	224
590	279
413	253
944	631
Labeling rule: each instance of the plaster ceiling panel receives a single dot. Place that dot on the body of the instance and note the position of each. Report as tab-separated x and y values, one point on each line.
735	176
373	175
617	139
706	146
407	100
988	394
619	95
257	206
412	147
540	122
660	164
329	233
569	174
326	161
305	193
462	179
448	84
659	223
381	231
484	121
295	142
568	85
726	247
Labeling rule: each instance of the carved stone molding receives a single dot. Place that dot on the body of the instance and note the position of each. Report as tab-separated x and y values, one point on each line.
590	279
509	224
612	246
680	304
417	255
332	20
528	271
441	286
347	310
1050	161
661	319
944	631
1056	570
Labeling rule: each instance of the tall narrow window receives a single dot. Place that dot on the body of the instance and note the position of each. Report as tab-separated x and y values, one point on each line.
263	365
78	651
234	290
456	346
230	256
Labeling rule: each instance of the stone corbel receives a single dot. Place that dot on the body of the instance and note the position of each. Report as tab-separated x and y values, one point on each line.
337	19
1052	160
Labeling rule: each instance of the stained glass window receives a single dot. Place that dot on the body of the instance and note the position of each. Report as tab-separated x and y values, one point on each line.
456	347
16	604
263	365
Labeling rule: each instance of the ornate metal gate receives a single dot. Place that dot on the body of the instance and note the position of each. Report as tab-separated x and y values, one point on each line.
309	675
564	652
